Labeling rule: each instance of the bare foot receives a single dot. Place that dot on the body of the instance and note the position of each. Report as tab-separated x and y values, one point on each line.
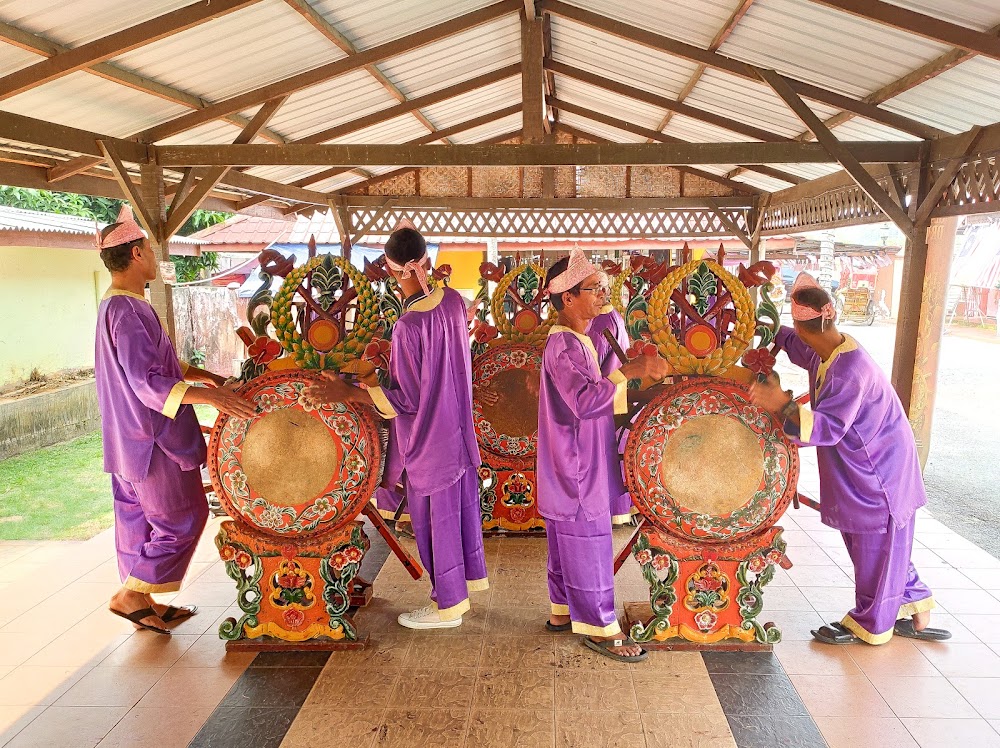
628	650
558	620
161	610
128	601
921	620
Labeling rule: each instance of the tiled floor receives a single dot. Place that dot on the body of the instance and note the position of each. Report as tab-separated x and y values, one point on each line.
73	675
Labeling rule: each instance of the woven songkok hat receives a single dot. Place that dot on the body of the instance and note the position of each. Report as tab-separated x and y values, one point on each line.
578	269
126	231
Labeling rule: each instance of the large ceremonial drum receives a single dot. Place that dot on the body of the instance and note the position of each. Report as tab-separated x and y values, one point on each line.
508	429
704	463
294	471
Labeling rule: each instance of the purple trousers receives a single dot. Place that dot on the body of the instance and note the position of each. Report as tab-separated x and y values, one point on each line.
387	501
887	586
621	500
158	522
581	573
449	534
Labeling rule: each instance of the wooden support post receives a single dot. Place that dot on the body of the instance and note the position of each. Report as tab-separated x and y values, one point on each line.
940	247
154	202
341	216
532	79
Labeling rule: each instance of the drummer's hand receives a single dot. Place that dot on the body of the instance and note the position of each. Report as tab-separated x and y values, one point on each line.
487	395
332	389
768	394
225	400
646	367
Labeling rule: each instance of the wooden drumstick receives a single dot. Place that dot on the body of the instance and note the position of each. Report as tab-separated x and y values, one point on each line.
622	356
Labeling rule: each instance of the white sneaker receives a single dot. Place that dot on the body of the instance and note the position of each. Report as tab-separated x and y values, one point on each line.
426	618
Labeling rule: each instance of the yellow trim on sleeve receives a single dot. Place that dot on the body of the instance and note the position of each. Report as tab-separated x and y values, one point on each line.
612	629
849	344
559	610
607	309
920	606
137	585
382	404
621	391
585	339
173	403
858	630
805	423
477	585
119	292
185	367
454	612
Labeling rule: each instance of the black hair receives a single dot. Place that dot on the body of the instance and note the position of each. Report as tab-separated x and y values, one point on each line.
118	258
558	268
816	299
405	245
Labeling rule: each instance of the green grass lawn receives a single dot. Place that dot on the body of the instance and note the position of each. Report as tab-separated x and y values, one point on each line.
56	493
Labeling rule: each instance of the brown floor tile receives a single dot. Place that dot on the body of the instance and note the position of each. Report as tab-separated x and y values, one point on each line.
150	651
78	648
424	688
431	651
922	697
828	598
521	595
795	625
210	651
972	602
813	658
572	653
595	690
678	663
194	687
38	686
13	719
15	649
840	696
982	693
384	650
510	621
676	694
941	733
79	727
205	622
518	652
961	659
507	729
317	726
985	628
515	690
111	686
599	729
206	593
162	728
341	685
897	657
408	728
864	730
784	598
689	731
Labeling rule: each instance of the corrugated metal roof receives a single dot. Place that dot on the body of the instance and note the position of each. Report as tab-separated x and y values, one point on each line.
14	58
864	129
966	95
762	182
599	129
211	133
976	14
502	126
240	229
609	103
18	219
474	103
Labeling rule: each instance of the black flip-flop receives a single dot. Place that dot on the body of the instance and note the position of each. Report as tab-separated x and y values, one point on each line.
178	614
558	628
834	633
137	616
604	648
905	627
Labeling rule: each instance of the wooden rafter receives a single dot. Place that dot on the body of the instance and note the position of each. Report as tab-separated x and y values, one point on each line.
332	70
724	33
149	221
664	103
729	223
117	44
734	67
896	213
331	32
533	80
947	175
113	72
920	24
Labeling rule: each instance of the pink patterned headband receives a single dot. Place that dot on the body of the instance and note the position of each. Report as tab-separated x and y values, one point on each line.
127	230
416	267
802	312
578	270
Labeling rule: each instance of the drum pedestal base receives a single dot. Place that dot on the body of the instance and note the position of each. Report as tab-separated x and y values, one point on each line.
508	499
294	593
705	596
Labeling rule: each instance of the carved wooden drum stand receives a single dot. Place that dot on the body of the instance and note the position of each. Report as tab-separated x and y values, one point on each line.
711	474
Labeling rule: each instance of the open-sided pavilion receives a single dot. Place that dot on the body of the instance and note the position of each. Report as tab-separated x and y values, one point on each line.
590	118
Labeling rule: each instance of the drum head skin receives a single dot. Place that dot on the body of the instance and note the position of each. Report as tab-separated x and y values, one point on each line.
292	470
703	463
508	429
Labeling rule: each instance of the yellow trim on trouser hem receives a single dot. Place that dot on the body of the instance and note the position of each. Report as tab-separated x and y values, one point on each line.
173	403
454	612
620	382
805	423
559	610
382	404
137	585
386	514
477	585
621	519
855	628
585	628
920	606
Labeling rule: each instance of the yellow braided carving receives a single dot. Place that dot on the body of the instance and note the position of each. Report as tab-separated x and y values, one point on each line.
721	359
504	326
617	286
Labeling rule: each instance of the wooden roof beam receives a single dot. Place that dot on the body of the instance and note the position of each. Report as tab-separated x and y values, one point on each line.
734	67
113	45
896	213
533	80
332	70
919	24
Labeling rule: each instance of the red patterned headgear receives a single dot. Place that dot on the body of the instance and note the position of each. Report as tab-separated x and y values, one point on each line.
126	231
578	270
802	312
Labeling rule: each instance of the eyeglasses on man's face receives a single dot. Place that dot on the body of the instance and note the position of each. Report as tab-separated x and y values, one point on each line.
599	290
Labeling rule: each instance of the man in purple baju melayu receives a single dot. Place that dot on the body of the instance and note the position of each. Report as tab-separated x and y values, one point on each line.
430	400
610	319
870	482
578	458
153	446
